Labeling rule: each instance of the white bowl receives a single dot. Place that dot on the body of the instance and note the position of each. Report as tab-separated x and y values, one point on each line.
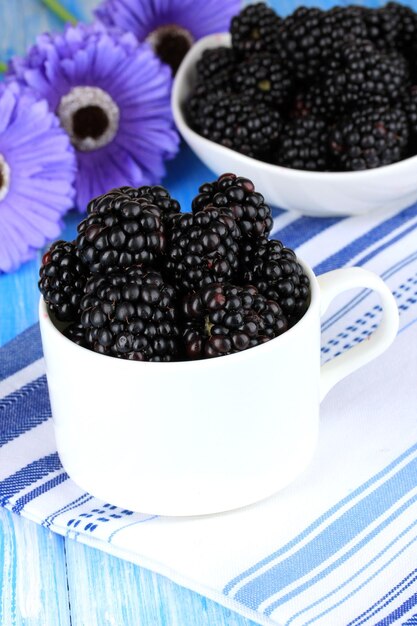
311	193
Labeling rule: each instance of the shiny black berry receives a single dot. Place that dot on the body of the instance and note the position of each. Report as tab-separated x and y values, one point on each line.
239	123
251	212
222	319
369	138
62	280
131	315
264	78
255	29
277	274
203	248
121	231
304	145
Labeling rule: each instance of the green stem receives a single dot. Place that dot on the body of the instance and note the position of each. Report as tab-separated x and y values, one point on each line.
56	7
3	67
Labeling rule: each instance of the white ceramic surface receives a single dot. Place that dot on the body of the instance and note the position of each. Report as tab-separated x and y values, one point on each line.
192	438
310	193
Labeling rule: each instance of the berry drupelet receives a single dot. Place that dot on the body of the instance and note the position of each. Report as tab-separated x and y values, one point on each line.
131	315
237	122
264	78
62	280
252	214
275	271
369	138
121	231
223	319
203	248
255	29
304	145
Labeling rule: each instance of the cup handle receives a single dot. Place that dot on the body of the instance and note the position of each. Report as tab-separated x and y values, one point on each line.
332	284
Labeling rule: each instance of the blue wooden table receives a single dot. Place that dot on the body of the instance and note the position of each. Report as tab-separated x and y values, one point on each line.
46	580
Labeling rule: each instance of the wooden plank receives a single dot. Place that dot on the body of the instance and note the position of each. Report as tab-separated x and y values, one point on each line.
106	590
33	580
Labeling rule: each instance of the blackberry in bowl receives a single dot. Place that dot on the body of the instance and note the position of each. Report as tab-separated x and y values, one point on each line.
273	115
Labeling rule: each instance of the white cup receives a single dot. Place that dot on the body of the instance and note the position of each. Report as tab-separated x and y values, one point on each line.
192	438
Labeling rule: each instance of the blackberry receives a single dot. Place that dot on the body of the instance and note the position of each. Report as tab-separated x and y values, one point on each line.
154	194
264	78
224	319
203	248
131	315
121	231
382	27
62	280
202	96
393	26
367	76
304	145
249	208
369	138
216	63
238	123
255	29
309	36
275	271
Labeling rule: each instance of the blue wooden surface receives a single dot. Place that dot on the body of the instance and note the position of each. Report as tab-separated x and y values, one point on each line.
46	580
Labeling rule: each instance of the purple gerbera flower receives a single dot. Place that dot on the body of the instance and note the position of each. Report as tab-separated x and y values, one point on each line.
112	96
37	168
170	26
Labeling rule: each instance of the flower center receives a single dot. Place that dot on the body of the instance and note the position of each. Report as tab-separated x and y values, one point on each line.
171	43
90	116
4	177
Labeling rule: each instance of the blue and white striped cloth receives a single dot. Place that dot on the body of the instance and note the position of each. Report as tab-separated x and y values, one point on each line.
337	547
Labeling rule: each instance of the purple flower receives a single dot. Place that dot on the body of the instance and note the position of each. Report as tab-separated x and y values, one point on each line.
112	96
37	168
170	26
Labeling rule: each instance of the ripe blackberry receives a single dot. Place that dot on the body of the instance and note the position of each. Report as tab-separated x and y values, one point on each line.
154	194
308	38
121	231
368	77
238	123
304	145
264	78
252	214
62	280
202	96
203	248
369	138
131	315
216	62
275	271
223	319
255	29
393	26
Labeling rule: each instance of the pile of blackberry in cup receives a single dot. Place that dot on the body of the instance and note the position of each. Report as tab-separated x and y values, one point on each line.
319	90
145	281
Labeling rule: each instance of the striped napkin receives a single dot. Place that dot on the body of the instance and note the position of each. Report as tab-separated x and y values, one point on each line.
336	547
